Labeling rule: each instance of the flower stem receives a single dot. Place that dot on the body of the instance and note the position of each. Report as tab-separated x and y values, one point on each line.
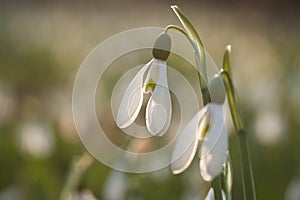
196	42
248	182
78	166
216	184
181	30
191	33
228	177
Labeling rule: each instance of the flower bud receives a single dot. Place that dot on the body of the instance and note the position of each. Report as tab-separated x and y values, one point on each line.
161	47
217	90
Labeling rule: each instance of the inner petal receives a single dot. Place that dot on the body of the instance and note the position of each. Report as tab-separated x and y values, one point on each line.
152	76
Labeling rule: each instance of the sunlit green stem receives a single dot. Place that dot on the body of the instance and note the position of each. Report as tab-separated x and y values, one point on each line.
248	182
217	187
196	42
227	60
199	52
78	166
175	27
178	28
233	102
228	177
203	84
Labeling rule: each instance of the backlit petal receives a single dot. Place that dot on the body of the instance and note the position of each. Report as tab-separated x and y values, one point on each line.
132	100
186	144
215	145
159	108
211	195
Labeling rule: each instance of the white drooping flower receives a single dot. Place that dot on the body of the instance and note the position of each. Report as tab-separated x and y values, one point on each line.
208	127
150	78
211	195
116	186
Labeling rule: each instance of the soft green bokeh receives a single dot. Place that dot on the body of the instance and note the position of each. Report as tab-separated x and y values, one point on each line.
42	47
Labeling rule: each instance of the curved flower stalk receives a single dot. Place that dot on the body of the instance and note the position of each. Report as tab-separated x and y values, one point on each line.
208	127
211	195
228	177
200	57
237	118
158	110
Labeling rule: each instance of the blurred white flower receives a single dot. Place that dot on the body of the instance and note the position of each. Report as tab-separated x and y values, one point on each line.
116	186
158	110
12	192
292	191
270	126
208	126
83	195
211	195
36	139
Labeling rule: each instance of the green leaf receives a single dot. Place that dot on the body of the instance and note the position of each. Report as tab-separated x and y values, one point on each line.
226	60
187	25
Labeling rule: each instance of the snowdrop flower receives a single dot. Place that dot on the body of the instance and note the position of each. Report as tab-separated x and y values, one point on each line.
292	191
211	195
206	126
116	186
158	110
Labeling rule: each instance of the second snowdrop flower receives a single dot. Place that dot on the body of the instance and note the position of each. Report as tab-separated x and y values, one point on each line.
151	78
206	126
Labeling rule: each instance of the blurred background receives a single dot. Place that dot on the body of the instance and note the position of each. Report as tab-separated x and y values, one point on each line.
43	43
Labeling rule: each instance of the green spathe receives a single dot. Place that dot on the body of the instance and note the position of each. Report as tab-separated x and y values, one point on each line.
162	46
217	90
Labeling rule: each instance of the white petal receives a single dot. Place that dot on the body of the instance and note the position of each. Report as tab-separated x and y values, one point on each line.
215	145
132	100
211	195
186	144
159	108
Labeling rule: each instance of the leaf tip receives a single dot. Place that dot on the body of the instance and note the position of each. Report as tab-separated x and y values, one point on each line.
228	48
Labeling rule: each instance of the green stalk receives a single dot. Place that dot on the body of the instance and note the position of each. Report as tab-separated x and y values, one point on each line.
203	84
78	166
248	182
175	27
202	75
228	177
199	52
217	187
